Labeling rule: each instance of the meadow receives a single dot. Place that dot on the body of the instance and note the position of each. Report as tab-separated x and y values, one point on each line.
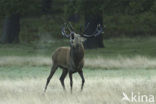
124	65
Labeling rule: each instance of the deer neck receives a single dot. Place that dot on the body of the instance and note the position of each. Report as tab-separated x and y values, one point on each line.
77	54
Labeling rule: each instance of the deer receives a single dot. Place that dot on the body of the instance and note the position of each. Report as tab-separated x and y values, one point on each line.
71	59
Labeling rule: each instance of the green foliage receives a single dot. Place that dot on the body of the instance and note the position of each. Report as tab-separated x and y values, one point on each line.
138	6
91	6
121	17
153	8
117	6
82	6
130	25
72	7
44	27
9	7
33	29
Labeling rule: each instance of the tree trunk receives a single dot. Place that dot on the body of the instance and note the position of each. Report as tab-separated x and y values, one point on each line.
11	29
93	20
74	17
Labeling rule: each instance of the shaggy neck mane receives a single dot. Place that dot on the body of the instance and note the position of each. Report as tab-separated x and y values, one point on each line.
77	53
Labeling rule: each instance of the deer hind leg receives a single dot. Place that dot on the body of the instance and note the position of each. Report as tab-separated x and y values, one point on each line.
71	81
53	69
64	74
83	80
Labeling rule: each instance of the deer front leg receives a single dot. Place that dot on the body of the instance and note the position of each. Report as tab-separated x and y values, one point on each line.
71	80
83	80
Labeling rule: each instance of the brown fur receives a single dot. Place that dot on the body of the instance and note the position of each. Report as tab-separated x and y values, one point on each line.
70	59
61	57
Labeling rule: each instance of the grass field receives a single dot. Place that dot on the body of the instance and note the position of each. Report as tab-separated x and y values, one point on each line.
125	65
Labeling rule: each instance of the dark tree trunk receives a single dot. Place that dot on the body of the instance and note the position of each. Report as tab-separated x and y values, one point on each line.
46	6
93	19
11	29
74	17
95	42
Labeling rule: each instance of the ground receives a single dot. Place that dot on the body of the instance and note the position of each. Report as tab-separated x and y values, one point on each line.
125	65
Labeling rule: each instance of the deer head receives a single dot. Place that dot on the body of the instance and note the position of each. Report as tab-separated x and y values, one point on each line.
76	38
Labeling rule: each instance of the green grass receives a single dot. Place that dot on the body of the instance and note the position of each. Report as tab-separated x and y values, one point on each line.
43	72
124	47
113	47
130	65
127	47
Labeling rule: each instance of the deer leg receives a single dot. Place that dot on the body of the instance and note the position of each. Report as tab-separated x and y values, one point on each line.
71	81
83	80
53	69
64	73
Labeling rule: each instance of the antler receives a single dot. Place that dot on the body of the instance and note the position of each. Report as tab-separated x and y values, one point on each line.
63	31
97	32
69	27
86	27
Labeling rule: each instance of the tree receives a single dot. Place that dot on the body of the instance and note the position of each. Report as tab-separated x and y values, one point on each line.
71	10
11	29
46	6
94	16
12	10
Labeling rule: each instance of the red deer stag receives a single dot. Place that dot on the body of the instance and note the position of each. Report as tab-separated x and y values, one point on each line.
71	59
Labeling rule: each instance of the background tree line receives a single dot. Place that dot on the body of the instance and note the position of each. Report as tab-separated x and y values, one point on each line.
28	20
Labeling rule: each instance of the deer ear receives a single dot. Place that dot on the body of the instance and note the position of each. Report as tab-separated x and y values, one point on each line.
83	39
